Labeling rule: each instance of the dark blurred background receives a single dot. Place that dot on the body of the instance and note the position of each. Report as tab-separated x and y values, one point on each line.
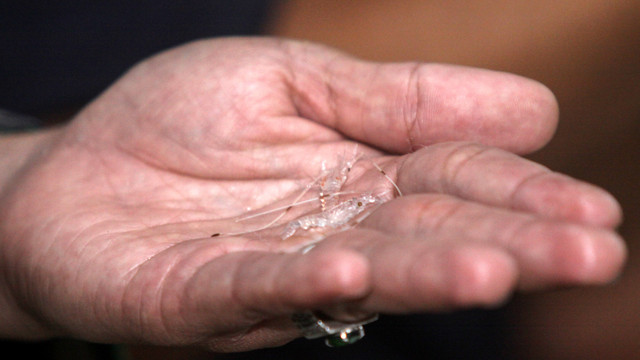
57	55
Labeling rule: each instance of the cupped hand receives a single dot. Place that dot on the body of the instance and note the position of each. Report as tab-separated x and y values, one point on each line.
106	228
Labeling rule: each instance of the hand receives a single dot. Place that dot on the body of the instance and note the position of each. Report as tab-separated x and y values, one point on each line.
106	225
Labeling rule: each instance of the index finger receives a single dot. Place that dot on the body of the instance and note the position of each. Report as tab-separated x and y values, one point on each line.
498	178
402	107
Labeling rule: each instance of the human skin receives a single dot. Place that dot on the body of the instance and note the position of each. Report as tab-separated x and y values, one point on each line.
106	221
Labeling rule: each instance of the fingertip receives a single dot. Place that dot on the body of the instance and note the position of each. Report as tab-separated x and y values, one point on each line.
544	111
558	196
570	255
334	276
348	273
482	277
604	210
531	110
599	258
597	208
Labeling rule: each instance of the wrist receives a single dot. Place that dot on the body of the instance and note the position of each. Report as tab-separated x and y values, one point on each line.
18	149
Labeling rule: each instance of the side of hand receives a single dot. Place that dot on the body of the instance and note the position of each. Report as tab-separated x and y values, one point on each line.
105	229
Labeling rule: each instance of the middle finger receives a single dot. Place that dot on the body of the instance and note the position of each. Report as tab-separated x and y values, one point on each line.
548	252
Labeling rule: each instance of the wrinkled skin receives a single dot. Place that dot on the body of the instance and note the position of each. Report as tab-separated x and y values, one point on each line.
106	222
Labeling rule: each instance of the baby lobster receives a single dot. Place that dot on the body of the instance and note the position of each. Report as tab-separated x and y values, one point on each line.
335	217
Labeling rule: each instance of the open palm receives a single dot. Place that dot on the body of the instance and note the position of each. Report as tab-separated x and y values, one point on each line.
107	230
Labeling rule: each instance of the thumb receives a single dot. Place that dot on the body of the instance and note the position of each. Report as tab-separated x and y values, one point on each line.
402	107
